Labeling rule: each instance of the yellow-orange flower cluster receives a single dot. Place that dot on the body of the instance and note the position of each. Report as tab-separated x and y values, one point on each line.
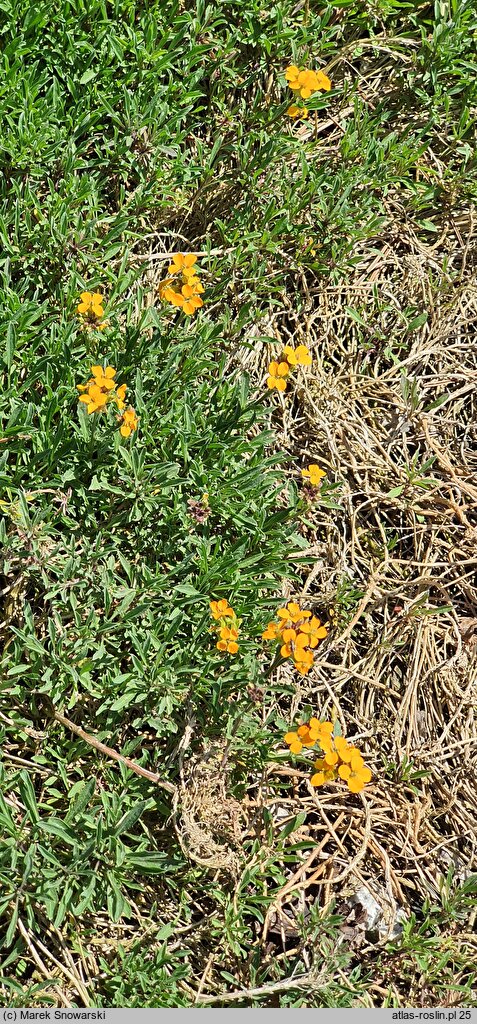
304	82
226	625
299	633
90	311
340	758
182	287
278	370
308	734
101	390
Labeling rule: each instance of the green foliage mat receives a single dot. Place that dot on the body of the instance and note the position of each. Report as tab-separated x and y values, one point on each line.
212	872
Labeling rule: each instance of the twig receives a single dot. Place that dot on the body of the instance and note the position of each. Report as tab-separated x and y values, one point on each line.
301	981
39	962
114	754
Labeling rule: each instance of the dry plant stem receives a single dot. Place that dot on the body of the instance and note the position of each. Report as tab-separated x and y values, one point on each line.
25	934
72	977
301	981
109	752
298	884
204	977
447	465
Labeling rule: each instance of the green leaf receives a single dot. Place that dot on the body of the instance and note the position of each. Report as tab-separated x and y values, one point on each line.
129	819
87	76
86	897
417	322
27	795
395	491
438	401
81	800
166	931
152	863
354	315
12	927
55	827
292	825
117	905
124	701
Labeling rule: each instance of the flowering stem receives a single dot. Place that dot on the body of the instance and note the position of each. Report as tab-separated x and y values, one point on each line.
92	435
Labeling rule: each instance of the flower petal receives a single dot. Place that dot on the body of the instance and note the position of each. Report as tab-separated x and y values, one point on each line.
290	737
355	785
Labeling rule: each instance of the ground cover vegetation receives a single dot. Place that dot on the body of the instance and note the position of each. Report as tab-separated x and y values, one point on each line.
238	503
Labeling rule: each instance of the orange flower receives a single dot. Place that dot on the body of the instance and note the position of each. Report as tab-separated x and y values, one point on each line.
227	645
314	474
307	735
227	626
128	422
289	635
90	310
291	612
356	774
271	632
191	300
183	264
120	395
295	112
91	304
314	631
299	634
294	742
104	378
101	389
228	639
195	284
277	373
291	73
186	290
169	294
340	760
303	661
324	773
324	83
299	356
345	751
306	82
95	399
228	633
221	609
